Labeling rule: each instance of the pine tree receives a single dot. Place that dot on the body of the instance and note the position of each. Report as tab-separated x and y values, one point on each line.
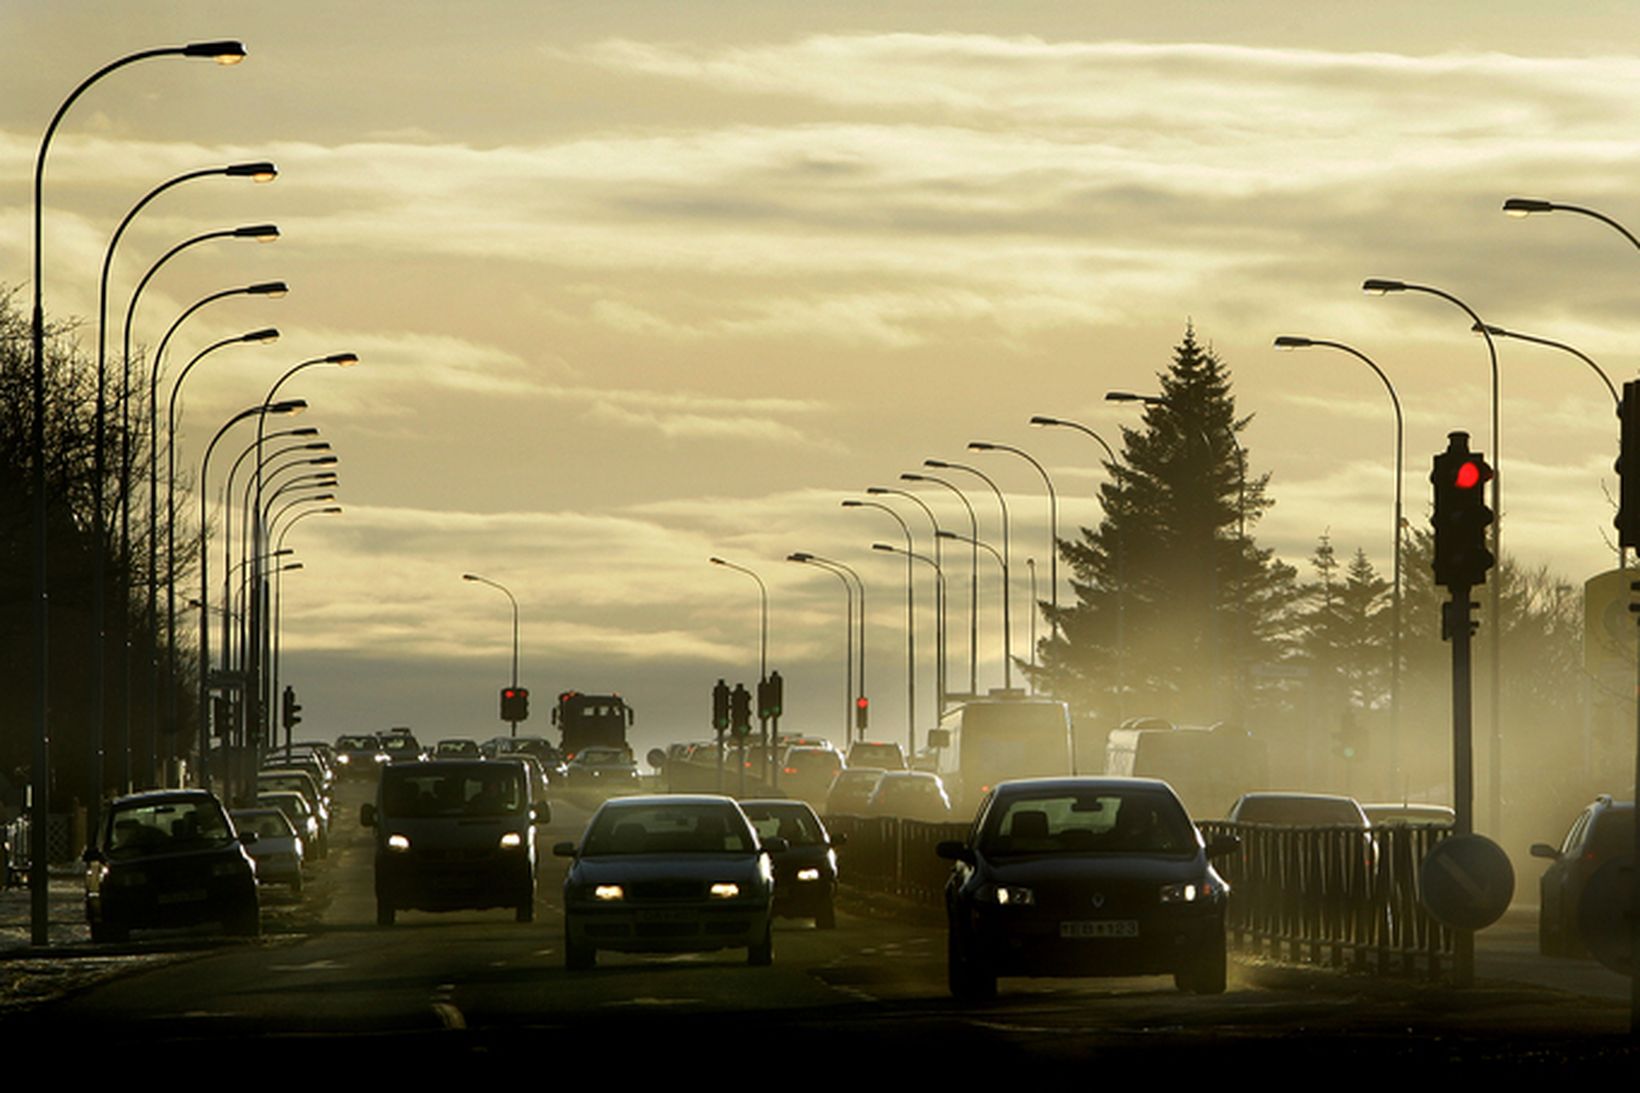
1176	605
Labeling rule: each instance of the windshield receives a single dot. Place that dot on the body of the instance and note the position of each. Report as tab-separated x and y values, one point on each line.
482	789
669	829
166	827
797	826
1090	822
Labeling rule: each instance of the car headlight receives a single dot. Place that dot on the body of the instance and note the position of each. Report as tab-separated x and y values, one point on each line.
1189	891
608	893
512	840
808	874
1007	895
344	760
725	890
398	842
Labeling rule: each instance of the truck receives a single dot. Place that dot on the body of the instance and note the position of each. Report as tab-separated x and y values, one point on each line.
591	721
1208	766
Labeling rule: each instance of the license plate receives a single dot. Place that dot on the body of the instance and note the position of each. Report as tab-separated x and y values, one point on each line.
191	896
666	914
1115	927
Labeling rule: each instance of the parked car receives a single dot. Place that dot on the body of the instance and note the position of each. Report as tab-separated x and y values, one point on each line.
1298	810
453	834
1084	877
169	858
805	874
1409	814
1602	831
277	849
673	873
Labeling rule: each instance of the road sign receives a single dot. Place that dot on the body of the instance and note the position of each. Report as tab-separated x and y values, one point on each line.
1467	882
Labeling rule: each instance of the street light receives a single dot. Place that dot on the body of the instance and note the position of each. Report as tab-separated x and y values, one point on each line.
939	589
1042	420
1002	563
848	631
223	52
1377	286
1007	556
1522	207
860	587
1288	341
1053	529
910	622
505	591
973	576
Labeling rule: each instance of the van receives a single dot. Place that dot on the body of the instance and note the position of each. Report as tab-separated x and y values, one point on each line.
455	834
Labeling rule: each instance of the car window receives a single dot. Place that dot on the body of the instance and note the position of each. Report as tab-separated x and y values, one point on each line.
1089	822
796	825
166	827
668	829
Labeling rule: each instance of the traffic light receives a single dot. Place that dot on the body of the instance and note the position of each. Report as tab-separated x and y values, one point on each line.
1461	515
862	711
515	703
289	715
777	695
1628	467
720	706
740	703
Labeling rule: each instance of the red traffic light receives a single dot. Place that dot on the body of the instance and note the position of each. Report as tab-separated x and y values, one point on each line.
862	702
1470	475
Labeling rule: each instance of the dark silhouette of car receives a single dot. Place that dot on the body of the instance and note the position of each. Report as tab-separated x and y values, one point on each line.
1084	877
805	873
666	874
1602	832
169	858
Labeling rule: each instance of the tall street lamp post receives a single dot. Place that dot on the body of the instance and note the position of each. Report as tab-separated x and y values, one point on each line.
499	587
940	689
1287	341
973	576
910	623
1053	531
848	631
1007	558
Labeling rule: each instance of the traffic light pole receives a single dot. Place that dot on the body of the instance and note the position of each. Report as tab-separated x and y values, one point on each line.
1458	628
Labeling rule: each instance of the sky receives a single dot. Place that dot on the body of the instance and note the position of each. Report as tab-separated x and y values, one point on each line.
634	284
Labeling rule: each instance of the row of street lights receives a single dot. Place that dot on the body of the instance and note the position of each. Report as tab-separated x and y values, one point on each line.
255	645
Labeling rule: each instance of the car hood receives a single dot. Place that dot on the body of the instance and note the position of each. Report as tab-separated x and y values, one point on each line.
626	868
1036	869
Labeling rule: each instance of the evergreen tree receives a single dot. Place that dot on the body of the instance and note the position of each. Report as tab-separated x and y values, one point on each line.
1176	605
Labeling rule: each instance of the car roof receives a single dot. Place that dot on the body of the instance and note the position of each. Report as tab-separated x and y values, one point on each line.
1080	782
156	796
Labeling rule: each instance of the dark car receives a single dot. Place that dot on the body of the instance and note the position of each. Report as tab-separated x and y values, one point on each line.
1085	877
1603	831
454	834
668	874
805	873
169	858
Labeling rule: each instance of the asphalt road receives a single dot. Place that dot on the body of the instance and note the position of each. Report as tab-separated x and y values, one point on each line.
865	999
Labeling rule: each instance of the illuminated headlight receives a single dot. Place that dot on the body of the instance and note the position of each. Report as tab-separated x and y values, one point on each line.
608	892
1187	892
1006	895
398	842
512	840
725	890
344	760
808	874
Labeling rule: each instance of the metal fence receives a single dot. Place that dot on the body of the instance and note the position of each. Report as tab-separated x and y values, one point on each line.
1338	896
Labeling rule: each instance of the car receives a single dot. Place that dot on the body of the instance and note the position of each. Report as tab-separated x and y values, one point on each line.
401	746
910	795
301	817
277	850
1409	814
1298	810
454	834
664	874
807	771
359	756
851	790
1602	831
456	748
169	858
1084	877
606	770
876	753
805	874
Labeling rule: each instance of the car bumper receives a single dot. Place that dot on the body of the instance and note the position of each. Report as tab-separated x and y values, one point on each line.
1016	941
668	928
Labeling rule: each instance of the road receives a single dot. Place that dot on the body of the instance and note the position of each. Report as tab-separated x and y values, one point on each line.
326	982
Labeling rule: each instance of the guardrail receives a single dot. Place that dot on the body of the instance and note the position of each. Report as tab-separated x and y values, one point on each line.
1337	896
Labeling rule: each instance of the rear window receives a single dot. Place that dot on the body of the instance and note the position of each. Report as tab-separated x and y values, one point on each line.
797	826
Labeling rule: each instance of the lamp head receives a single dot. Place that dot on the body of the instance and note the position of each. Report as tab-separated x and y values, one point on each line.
343	359
287	406
262	233
275	289
882	546
1526	206
1378	286
266	334
1288	341
981	446
223	53
852	504
260	171
937	464
1040	419
878	491
799	556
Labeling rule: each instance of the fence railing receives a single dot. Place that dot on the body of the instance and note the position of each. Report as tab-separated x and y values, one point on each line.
1338	896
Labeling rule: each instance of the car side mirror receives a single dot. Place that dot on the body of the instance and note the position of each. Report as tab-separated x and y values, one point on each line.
1544	850
563	850
367	815
955	851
